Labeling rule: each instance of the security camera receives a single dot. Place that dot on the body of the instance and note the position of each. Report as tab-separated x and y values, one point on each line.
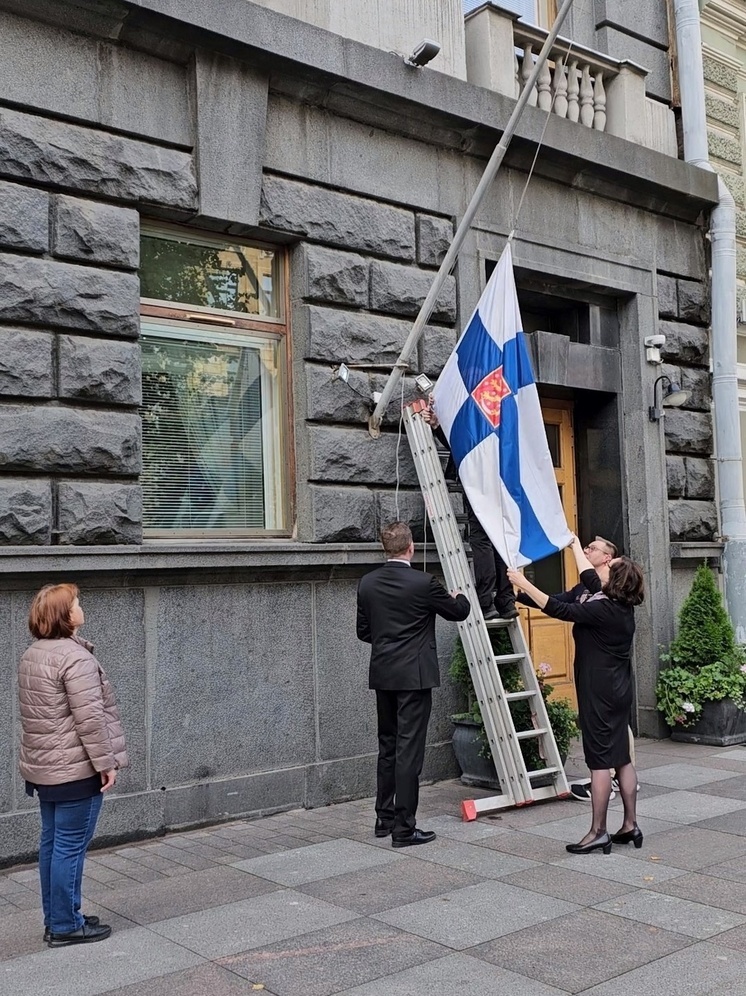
425	52
653	345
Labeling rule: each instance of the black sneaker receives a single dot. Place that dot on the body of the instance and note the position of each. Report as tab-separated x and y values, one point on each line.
582	791
490	613
83	935
92	921
509	613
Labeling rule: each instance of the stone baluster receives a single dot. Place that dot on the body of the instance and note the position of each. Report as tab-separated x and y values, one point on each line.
560	88
544	86
586	98
527	66
599	102
573	89
516	72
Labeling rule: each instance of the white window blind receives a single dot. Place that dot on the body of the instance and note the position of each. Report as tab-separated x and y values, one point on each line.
211	435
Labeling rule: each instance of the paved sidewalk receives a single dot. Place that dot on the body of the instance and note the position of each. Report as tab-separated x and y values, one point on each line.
309	903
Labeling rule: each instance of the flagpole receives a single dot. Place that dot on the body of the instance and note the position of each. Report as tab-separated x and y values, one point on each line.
449	262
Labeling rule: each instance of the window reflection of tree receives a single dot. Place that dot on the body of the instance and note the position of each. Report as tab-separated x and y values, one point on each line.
207	276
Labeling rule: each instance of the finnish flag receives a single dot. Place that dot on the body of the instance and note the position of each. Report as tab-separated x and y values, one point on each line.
487	404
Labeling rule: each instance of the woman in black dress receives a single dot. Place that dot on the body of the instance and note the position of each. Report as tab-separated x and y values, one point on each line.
603	632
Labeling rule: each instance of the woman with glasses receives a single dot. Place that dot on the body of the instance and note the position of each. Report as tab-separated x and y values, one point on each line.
604	627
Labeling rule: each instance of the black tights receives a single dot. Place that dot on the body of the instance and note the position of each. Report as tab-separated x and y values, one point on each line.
600	792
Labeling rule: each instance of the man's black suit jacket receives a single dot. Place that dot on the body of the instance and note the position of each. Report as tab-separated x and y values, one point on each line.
396	610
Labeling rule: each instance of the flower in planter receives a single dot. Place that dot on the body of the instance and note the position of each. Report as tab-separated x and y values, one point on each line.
705	664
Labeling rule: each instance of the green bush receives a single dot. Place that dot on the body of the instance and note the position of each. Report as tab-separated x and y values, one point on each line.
704	662
562	716
705	631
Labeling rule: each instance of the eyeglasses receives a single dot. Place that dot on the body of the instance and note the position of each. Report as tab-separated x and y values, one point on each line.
596	549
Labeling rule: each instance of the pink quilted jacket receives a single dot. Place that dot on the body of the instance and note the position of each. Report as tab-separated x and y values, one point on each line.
70	722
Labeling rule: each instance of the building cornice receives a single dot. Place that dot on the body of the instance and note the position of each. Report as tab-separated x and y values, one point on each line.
727	16
723	59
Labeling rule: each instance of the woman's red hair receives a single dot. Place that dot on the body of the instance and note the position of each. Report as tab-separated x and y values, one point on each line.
49	616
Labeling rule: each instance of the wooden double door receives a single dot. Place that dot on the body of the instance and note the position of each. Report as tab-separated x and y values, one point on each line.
550	641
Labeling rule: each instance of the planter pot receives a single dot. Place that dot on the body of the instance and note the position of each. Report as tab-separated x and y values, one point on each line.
721	724
477	770
467	743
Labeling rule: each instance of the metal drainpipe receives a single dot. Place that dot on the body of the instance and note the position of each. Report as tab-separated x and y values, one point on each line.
723	338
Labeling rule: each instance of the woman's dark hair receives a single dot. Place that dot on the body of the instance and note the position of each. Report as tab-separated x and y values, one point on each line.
49	618
625	584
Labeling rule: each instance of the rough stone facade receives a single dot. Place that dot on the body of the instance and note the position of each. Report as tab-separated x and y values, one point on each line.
242	684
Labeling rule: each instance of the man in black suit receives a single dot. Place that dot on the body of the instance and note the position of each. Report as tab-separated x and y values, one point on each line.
396	610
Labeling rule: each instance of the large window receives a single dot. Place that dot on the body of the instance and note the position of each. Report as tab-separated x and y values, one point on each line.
214	344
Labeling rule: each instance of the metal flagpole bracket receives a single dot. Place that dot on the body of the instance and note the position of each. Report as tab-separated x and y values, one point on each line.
374	423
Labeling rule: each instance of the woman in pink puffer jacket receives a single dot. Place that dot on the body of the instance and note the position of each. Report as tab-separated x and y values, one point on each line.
72	746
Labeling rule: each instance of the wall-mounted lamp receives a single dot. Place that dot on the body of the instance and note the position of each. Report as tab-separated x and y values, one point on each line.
671	397
425	52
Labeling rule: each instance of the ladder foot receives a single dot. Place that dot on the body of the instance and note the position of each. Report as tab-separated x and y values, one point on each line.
526	802
468	810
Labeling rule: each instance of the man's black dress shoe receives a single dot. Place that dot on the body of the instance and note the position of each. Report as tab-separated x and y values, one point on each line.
92	921
633	836
383	829
83	935
602	841
415	837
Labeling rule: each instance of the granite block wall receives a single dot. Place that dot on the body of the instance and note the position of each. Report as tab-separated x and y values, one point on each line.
359	277
684	311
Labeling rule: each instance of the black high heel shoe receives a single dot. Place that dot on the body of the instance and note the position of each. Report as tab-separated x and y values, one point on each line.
633	836
602	842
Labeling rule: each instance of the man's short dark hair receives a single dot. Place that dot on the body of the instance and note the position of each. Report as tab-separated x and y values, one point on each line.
396	537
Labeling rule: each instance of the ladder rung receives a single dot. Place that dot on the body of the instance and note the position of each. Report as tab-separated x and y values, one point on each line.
498	623
509	658
527	734
516	696
542	771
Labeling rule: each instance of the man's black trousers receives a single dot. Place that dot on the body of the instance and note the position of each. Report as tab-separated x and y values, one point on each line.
490	572
402	732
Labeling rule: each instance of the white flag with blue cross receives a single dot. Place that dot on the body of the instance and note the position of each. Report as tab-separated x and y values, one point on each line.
488	406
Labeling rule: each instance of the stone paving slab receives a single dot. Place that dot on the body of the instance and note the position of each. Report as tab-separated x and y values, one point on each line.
688	847
733	823
469	858
564	883
183	895
580	950
374	890
671	913
574	829
317	861
699	970
323	961
680	775
226	930
206	980
457	973
478	913
617	868
687	807
729	787
124	959
708	890
455	828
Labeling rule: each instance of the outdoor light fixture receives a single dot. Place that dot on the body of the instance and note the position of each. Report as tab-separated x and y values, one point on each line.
424	384
653	345
671	397
425	52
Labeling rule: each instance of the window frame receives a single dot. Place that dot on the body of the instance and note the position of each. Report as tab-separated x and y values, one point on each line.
194	316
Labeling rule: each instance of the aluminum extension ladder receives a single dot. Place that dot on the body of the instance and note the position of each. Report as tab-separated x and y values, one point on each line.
484	665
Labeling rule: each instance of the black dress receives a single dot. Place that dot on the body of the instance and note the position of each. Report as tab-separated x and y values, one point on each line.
603	633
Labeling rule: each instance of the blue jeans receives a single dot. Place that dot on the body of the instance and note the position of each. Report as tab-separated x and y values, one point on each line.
66	831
